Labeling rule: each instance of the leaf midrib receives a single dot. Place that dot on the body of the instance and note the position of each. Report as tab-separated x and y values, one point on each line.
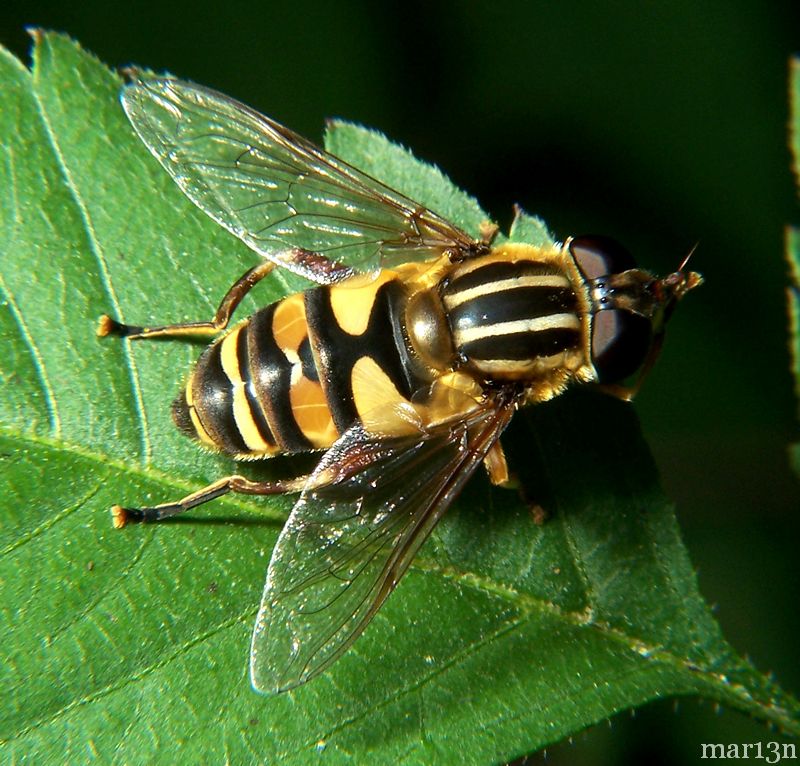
526	604
145	473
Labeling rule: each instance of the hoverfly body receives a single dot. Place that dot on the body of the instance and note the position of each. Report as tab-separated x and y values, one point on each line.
404	363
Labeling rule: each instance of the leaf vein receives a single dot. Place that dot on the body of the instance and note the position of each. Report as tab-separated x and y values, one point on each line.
585	619
105	276
146	474
110	587
457	657
50	522
134	677
38	361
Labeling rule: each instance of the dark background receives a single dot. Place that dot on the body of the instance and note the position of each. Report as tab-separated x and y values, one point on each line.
660	123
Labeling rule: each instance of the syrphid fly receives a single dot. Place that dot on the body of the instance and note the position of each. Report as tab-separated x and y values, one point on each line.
402	365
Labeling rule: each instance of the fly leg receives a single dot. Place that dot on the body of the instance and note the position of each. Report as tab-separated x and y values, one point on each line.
109	326
497	468
121	516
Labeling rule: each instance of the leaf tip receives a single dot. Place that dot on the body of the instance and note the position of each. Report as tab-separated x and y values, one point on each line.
36	33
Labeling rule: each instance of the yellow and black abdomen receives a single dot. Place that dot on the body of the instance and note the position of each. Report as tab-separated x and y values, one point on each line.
282	381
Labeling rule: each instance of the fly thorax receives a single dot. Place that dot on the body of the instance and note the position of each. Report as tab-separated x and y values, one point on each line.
514	319
428	331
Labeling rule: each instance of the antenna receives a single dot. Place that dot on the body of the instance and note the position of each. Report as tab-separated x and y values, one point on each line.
685	261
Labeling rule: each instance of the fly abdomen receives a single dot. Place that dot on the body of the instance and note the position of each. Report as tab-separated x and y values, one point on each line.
506	316
348	324
283	381
221	405
256	390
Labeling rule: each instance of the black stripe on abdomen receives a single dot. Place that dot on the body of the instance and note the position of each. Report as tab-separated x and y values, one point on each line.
337	351
246	366
270	372
212	396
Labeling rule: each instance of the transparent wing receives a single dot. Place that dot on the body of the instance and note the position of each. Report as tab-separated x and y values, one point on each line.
348	542
276	191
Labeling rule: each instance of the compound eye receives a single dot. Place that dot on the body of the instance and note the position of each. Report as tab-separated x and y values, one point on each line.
599	256
620	342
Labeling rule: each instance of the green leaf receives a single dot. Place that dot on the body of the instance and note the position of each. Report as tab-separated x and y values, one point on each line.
793	247
793	292
794	106
131	646
529	228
